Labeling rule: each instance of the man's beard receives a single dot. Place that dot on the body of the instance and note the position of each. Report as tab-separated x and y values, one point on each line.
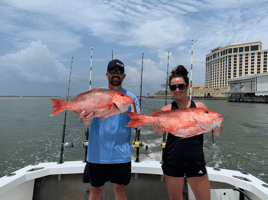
115	83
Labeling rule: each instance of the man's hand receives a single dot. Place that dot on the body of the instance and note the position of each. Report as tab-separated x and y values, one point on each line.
86	119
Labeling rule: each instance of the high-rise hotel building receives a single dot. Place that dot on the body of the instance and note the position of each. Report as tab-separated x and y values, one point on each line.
235	60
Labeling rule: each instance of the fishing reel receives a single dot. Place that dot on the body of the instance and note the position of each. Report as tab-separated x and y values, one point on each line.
68	145
85	143
163	145
139	144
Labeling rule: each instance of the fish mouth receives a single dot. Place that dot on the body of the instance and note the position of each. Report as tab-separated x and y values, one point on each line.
116	107
213	125
217	122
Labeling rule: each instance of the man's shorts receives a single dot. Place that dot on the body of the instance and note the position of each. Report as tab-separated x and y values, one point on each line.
98	174
183	171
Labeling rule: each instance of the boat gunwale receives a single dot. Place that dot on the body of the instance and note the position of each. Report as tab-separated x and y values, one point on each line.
254	186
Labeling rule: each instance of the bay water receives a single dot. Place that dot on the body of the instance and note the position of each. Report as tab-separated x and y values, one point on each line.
28	135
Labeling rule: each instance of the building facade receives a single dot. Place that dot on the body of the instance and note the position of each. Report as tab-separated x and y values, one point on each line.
198	91
232	61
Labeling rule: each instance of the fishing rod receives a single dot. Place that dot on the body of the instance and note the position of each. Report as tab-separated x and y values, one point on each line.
64	124
191	86
112	55
164	135
137	142
85	143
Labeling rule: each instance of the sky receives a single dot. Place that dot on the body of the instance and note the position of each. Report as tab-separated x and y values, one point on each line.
39	38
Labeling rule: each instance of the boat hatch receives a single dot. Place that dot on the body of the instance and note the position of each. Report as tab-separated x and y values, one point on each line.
35	169
242	178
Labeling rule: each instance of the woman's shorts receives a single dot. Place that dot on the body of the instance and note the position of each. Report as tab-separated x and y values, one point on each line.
183	171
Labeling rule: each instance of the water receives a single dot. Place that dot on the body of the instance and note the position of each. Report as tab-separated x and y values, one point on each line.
29	135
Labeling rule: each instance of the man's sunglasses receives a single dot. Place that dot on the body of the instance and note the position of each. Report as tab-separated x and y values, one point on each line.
180	86
119	71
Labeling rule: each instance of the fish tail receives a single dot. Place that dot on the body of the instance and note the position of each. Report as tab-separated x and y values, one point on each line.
137	119
58	106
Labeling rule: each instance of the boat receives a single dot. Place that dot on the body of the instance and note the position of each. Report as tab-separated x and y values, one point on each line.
62	181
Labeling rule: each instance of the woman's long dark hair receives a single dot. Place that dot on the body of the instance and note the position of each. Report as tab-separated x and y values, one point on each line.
179	71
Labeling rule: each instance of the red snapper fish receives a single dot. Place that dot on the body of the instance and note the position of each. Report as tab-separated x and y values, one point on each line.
185	123
103	102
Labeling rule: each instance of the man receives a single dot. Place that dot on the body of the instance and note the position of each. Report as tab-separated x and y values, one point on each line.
109	151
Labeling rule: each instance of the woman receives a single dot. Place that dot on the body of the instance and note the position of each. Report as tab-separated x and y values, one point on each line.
184	157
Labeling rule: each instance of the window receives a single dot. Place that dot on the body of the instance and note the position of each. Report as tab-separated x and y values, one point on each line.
247	48
235	50
240	49
229	50
255	48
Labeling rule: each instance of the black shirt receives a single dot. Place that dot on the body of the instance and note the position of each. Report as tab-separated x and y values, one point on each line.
184	152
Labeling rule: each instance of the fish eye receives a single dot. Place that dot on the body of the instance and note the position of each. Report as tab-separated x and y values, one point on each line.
122	95
206	111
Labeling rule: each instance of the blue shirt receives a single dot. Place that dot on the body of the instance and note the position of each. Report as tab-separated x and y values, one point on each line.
109	139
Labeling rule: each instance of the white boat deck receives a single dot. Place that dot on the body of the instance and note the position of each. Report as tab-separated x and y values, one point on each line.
24	179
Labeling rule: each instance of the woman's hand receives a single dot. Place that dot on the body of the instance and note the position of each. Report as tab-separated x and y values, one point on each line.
138	127
217	130
86	119
157	127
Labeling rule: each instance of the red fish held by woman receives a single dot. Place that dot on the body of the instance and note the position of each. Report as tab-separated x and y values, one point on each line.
101	101
183	123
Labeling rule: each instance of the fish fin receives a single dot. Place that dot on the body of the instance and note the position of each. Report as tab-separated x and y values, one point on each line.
58	106
80	95
157	112
77	112
136	119
188	136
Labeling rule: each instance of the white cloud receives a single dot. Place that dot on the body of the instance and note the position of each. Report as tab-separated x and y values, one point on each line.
33	64
130	27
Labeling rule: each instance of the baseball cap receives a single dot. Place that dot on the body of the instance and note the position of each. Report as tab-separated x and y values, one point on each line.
114	63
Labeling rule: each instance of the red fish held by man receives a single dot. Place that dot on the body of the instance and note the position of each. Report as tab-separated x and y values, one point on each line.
183	123
101	101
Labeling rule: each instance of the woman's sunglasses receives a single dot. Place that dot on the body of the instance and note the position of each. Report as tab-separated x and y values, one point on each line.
180	86
119	71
